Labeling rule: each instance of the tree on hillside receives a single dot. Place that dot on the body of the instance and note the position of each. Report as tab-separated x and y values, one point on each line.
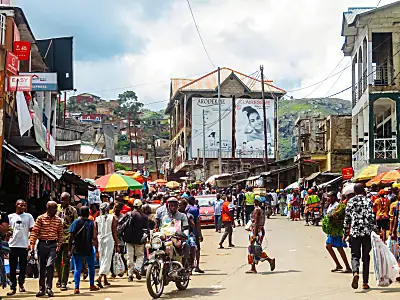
128	102
72	105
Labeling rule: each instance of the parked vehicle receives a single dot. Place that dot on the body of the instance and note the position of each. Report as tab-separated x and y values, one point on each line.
206	210
164	264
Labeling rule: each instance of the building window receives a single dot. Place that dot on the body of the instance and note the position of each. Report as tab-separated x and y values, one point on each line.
101	169
3	22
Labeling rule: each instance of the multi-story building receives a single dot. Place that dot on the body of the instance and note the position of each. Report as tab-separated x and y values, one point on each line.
372	40
325	140
193	105
87	98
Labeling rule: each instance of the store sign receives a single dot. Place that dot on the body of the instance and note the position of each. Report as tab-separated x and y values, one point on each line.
20	83
43	81
12	63
22	49
347	173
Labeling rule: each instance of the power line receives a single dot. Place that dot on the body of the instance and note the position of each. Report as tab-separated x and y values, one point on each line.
198	32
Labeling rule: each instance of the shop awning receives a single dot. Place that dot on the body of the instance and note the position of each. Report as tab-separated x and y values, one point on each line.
277	171
313	176
325	184
253	178
13	159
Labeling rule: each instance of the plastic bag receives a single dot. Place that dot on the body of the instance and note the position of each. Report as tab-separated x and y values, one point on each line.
118	265
393	246
386	268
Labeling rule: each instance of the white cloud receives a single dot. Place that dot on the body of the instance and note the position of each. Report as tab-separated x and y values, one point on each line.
298	42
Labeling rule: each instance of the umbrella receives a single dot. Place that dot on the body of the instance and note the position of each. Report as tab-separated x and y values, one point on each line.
160	182
371	171
294	185
384	178
172	185
376	180
117	182
138	177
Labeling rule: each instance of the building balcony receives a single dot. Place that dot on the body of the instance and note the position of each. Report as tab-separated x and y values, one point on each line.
385	148
228	154
360	158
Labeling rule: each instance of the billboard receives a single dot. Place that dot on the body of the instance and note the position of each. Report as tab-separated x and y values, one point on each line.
43	81
211	121
249	128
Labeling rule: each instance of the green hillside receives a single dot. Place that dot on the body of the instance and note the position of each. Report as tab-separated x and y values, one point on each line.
290	110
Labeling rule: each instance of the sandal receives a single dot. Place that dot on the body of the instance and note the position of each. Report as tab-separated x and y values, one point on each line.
365	286
58	285
272	264
348	271
337	269
251	272
354	283
99	284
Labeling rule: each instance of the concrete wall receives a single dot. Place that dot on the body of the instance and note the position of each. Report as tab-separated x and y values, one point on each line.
340	133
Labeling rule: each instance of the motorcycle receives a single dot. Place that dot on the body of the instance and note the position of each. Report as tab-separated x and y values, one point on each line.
164	264
316	215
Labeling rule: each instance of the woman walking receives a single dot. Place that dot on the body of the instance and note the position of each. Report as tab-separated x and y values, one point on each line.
333	226
106	229
255	253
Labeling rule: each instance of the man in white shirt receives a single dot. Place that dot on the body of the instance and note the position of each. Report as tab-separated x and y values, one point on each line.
21	224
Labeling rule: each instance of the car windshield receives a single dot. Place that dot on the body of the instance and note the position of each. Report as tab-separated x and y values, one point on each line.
205	201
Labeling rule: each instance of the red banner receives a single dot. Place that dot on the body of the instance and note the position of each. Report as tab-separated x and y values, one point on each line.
22	49
347	173
12	63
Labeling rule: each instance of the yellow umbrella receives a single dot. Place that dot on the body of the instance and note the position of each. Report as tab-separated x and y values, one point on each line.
371	171
172	185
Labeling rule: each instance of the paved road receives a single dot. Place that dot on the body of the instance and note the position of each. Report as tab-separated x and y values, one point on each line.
302	272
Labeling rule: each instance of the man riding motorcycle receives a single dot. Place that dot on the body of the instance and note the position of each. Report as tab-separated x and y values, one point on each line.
311	201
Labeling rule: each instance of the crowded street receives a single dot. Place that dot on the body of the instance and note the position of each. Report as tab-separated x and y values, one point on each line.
302	271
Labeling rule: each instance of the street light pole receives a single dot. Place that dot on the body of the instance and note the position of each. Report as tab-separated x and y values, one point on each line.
204	145
130	139
219	123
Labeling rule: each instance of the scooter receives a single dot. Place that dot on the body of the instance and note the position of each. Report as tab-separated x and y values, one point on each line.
316	215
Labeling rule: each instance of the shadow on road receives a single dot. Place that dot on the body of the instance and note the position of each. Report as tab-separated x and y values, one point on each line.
278	272
191	292
383	290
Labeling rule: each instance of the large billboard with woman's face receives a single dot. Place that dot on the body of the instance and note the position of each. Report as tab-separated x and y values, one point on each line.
211	122
249	128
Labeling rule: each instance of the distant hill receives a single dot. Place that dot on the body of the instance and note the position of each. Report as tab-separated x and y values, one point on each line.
290	110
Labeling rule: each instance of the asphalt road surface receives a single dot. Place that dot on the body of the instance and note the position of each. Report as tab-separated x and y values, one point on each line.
302	272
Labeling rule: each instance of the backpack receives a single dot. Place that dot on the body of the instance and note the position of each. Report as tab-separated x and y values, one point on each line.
125	228
82	239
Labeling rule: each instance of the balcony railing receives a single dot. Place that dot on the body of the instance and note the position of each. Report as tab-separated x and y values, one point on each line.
360	158
385	148
382	75
238	154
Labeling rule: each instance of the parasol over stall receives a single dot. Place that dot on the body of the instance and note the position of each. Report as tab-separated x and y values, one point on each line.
371	171
385	178
160	182
172	185
117	182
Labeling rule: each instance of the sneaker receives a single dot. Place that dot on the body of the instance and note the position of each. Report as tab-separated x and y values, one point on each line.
76	292
50	293
40	294
198	270
137	274
130	278
94	288
12	292
63	288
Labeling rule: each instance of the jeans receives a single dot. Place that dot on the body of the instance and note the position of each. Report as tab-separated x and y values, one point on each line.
218	222
47	257
248	211
135	255
227	233
78	258
360	246
63	271
18	255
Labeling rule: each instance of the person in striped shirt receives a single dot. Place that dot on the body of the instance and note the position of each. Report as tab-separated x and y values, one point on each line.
48	230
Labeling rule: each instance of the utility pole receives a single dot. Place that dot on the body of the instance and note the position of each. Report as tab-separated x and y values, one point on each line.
155	156
219	123
204	145
136	144
265	119
130	138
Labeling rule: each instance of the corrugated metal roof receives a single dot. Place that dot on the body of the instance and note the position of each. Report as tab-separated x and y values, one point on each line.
177	83
209	82
352	13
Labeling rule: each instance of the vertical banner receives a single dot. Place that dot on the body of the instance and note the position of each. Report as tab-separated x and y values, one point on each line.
249	128
211	123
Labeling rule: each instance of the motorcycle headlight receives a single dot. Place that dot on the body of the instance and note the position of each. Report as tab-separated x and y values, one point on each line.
156	243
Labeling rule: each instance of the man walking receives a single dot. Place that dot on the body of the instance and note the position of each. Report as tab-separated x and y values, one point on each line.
359	222
68	215
217	203
195	212
249	203
48	229
21	224
227	220
138	225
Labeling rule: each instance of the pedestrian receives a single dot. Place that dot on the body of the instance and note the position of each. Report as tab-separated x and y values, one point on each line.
119	215
227	221
249	204
134	240
106	232
382	205
68	215
359	222
195	212
255	253
48	230
21	224
4	230
282	202
94	211
335	215
217	203
239	208
81	241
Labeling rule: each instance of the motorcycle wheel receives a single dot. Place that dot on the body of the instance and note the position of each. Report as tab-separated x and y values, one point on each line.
182	285
155	284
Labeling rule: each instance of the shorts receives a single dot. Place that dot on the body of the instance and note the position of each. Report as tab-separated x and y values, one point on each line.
383	224
198	242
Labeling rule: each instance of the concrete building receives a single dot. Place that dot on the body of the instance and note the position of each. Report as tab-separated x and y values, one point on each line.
372	41
185	155
92	169
326	140
162	143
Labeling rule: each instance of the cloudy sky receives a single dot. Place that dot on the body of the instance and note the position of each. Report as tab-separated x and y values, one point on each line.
141	44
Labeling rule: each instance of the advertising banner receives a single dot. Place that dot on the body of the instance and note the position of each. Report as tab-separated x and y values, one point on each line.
22	49
249	128
20	83
43	81
12	63
211	122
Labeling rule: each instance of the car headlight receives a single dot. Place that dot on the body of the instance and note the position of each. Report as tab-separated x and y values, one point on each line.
156	243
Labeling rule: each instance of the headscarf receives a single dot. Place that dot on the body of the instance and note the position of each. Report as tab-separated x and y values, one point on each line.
104	208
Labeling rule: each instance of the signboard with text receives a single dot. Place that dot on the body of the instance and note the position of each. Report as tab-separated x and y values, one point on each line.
20	83
43	81
12	63
22	49
347	173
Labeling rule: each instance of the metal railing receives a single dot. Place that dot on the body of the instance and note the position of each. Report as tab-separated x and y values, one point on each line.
382	75
238	154
365	80
360	158
385	148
